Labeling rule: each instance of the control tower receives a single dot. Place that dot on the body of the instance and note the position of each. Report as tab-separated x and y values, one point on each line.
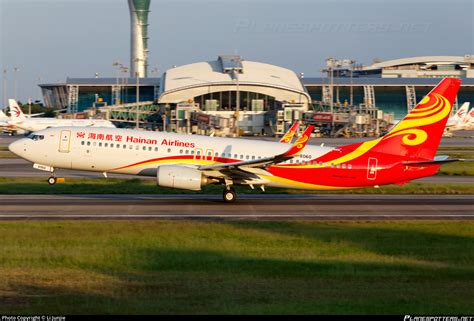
139	10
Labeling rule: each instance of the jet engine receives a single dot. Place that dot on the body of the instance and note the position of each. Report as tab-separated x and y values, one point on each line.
180	177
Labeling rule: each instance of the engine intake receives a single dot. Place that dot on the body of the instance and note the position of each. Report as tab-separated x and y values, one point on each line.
180	177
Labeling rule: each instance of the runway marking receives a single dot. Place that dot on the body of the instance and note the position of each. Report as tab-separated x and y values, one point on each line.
408	216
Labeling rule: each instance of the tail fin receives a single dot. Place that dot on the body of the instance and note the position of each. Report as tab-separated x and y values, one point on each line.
469	118
15	111
461	113
419	133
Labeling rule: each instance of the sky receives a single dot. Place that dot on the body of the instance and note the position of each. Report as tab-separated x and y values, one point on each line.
50	40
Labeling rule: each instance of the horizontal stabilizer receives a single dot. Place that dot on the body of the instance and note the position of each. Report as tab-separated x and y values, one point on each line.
438	160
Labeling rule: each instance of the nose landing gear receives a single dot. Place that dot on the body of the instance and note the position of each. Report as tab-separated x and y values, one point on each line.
52	180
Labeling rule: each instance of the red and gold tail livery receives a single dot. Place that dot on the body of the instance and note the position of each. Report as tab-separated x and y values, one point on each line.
419	133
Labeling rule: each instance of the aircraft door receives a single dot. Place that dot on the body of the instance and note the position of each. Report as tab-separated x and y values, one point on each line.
372	169
65	141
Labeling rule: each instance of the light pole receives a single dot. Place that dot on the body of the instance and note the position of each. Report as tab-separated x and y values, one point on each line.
5	99
125	83
237	109
15	70
137	125
118	65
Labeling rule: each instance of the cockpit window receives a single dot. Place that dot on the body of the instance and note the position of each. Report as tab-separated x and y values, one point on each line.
35	137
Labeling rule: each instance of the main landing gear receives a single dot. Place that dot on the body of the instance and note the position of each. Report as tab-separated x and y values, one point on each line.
229	194
52	180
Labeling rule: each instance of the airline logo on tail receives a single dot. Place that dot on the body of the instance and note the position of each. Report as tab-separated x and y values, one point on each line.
431	110
15	110
461	113
419	133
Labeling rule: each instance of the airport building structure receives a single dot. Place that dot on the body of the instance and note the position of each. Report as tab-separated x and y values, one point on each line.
269	97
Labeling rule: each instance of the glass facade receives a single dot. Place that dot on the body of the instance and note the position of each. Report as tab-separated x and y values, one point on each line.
227	101
388	98
87	95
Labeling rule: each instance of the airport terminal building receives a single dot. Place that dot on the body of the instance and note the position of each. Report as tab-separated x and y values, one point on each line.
263	94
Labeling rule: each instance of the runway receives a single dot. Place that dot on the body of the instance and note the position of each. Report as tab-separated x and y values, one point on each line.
247	207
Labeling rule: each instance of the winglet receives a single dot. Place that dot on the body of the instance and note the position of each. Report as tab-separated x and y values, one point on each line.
288	137
300	143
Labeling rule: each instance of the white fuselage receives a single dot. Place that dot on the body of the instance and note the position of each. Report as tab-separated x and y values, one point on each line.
35	124
125	151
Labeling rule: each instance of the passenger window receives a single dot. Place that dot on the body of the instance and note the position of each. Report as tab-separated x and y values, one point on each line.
180	151
169	150
118	146
106	144
343	165
144	147
100	144
94	143
235	156
124	146
82	143
88	143
149	148
111	145
137	147
253	157
156	149
349	166
186	151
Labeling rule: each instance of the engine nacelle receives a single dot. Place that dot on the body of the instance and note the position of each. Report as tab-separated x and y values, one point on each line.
180	177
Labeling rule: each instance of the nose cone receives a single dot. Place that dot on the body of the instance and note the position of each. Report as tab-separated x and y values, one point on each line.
18	147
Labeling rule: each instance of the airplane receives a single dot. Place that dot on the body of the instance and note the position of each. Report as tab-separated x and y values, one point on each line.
192	161
3	119
459	115
19	120
468	121
462	120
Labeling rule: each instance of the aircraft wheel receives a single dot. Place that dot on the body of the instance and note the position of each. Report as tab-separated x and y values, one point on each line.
52	180
229	195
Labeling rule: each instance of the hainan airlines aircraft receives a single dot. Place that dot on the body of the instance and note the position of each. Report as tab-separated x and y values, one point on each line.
192	161
19	120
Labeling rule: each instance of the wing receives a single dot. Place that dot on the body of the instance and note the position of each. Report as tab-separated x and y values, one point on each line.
249	170
288	137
